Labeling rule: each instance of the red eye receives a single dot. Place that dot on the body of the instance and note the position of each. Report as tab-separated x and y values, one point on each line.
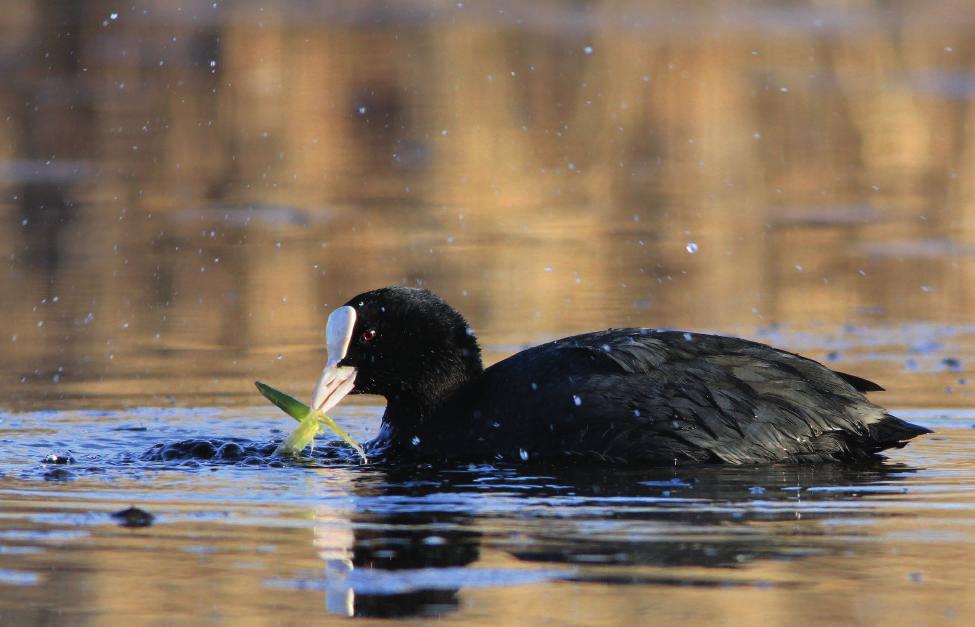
368	335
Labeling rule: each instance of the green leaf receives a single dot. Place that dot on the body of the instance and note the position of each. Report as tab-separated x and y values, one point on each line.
287	403
300	437
309	423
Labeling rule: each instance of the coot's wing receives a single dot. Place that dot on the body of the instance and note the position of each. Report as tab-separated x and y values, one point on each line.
861	384
643	395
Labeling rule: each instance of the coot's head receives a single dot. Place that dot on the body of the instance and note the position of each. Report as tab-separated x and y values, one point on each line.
403	343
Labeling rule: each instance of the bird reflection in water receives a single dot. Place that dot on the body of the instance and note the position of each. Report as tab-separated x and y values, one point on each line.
415	535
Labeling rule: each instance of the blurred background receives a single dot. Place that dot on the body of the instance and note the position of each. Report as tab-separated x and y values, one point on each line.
187	188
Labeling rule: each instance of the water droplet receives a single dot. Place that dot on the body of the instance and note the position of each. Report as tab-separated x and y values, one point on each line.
548	268
523	454
361	110
691	247
756	490
56	378
415	441
577	400
279	357
587	49
113	16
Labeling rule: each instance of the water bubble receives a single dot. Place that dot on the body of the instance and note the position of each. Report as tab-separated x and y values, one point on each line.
577	400
113	16
548	268
523	454
415	441
587	49
361	110
756	490
691	247
279	357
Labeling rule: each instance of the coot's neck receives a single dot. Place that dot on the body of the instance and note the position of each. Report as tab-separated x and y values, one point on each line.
416	402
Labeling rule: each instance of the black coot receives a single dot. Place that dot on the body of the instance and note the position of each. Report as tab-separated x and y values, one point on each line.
622	396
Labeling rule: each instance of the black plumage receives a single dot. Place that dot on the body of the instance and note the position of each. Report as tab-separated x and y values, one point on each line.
636	396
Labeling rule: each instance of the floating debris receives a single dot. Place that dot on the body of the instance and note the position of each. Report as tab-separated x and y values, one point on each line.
58	458
134	517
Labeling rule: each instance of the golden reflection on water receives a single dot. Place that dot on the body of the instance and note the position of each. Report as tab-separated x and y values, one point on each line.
186	191
187	188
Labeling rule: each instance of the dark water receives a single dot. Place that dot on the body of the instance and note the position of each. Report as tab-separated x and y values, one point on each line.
186	190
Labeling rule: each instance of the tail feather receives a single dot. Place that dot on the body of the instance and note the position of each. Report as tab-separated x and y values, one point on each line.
892	432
